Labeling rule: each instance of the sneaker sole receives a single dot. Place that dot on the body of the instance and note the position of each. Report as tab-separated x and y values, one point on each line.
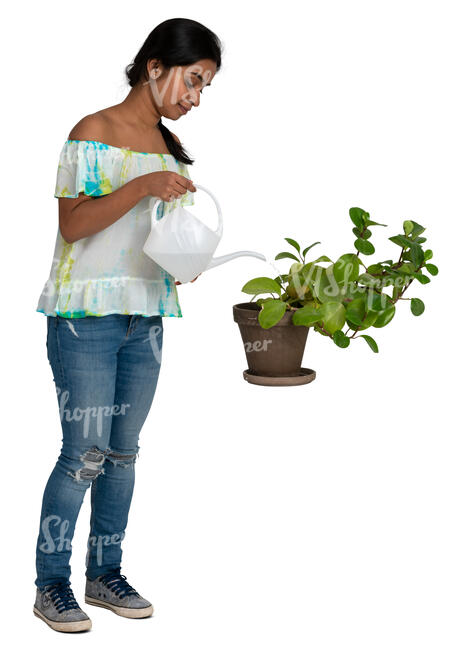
127	612
64	626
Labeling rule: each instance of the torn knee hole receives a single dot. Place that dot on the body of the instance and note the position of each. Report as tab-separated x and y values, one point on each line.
93	460
122	460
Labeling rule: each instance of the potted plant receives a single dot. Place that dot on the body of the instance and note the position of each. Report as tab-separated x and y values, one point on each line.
339	301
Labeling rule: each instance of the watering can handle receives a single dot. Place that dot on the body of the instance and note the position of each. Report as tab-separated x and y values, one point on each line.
218	231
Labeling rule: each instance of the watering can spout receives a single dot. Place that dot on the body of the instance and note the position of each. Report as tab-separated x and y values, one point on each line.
227	258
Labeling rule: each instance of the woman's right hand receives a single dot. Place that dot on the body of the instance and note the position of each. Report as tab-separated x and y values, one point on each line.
167	186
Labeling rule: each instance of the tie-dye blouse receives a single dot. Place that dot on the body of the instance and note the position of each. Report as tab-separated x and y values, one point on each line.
108	272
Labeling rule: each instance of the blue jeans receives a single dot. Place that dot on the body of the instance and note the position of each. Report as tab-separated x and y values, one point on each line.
105	372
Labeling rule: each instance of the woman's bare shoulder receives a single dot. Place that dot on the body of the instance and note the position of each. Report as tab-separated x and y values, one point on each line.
90	127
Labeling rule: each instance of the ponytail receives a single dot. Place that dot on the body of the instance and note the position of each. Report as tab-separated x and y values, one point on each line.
175	148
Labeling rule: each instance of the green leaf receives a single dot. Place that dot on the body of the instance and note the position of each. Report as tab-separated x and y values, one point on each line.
358	316
371	342
408	227
352	292
385	316
346	268
428	254
341	339
297	289
423	279
417	306
307	249
307	315
374	268
406	268
325	286
417	229
431	268
374	223
352	325
355	311
401	240
332	314
362	234
295	268
311	272
261	285
271	313
358	217
417	254
293	243
323	258
365	247
378	301
291	256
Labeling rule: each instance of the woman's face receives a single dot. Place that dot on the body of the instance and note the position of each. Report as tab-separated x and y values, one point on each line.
180	87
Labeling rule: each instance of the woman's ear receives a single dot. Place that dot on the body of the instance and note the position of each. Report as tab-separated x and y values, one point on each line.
153	68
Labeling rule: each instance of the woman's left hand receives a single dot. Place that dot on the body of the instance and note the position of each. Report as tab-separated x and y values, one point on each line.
177	282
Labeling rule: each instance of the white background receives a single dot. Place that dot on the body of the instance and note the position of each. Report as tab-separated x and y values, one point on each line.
314	517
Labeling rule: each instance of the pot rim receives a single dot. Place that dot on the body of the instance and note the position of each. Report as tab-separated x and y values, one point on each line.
243	314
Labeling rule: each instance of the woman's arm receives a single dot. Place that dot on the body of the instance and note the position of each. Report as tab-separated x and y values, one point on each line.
85	216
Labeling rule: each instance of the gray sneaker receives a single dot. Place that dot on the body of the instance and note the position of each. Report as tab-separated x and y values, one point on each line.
55	605
112	591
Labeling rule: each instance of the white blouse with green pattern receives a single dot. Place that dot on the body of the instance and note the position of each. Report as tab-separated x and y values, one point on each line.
108	272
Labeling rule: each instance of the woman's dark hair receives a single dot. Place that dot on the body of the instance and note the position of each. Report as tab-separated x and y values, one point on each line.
177	41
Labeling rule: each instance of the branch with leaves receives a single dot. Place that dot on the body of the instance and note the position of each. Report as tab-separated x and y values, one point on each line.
342	295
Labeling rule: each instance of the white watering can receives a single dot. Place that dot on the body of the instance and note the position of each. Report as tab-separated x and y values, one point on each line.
184	246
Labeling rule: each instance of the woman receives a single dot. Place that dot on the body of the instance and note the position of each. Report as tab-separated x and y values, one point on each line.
105	301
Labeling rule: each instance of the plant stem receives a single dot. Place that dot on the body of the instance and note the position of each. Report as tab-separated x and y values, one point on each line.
357	328
323	329
407	286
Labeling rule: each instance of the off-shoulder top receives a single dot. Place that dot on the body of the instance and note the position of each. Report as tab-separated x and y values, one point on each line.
108	272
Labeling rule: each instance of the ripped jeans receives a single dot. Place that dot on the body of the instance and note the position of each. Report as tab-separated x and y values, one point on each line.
105	372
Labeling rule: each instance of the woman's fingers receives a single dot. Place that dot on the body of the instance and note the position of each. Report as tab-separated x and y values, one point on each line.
184	184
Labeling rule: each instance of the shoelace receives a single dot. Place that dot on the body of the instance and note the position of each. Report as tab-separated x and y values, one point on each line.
62	596
118	584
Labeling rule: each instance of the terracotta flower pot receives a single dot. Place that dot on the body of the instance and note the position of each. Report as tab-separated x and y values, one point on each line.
275	352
